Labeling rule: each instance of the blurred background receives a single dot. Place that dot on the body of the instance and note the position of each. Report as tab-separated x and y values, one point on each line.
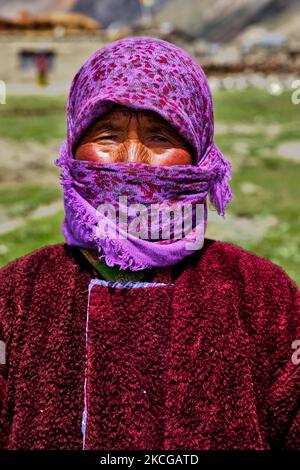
250	51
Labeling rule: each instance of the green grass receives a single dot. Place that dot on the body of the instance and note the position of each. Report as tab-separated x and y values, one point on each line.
278	195
33	118
255	106
26	197
43	119
27	238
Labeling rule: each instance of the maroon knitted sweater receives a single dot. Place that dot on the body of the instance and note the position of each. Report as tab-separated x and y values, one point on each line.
201	362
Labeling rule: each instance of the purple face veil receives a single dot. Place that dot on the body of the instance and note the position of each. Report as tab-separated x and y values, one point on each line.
143	73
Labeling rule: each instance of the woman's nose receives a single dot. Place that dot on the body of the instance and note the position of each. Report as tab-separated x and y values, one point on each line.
136	151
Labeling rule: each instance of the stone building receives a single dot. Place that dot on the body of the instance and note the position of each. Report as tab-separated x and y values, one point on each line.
64	41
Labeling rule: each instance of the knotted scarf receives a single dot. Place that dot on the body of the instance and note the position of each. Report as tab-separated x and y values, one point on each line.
143	73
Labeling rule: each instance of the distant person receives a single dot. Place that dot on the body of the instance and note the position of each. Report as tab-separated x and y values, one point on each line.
42	68
144	343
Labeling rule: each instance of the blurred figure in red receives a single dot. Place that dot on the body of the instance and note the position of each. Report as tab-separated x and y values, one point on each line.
42	67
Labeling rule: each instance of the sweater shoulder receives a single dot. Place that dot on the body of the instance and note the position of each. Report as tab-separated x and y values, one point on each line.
60	253
232	255
244	264
18	275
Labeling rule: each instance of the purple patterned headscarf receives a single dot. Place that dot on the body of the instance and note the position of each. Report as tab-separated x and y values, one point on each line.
143	73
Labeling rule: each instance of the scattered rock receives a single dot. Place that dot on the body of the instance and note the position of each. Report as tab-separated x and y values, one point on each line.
238	229
249	188
289	150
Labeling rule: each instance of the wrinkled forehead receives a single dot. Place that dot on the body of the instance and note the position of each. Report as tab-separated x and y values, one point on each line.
122	111
121	114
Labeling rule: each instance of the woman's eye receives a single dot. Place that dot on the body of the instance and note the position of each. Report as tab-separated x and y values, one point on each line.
107	137
160	137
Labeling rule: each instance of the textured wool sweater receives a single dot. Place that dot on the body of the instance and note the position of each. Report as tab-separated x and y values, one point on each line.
201	359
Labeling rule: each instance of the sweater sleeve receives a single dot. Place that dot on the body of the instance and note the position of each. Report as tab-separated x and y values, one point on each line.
6	316
284	392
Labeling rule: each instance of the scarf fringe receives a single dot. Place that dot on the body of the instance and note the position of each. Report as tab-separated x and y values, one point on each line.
82	218
220	193
63	158
126	261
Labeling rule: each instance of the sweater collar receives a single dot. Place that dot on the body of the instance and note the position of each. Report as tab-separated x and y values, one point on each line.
113	273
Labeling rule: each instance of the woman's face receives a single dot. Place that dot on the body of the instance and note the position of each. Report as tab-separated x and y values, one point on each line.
128	135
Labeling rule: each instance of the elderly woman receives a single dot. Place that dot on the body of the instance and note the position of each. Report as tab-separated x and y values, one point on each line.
155	342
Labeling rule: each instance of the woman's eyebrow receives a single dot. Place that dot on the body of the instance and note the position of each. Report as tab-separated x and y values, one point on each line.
108	126
158	128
